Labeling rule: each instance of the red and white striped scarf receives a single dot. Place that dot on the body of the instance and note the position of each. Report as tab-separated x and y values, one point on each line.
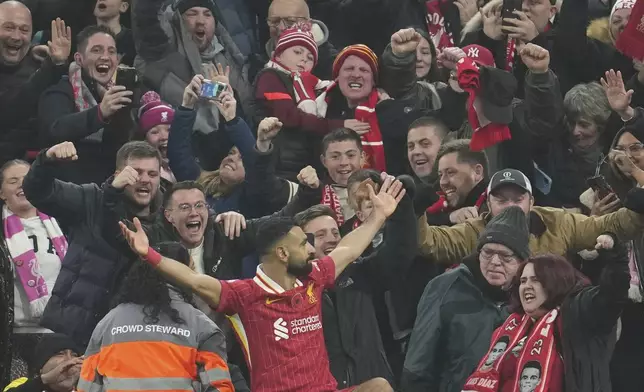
372	143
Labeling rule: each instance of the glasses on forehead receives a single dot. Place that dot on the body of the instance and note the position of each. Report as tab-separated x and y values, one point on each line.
631	149
488	254
288	21
185	208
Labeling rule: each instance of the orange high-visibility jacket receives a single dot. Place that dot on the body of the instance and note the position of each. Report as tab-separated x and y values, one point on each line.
126	354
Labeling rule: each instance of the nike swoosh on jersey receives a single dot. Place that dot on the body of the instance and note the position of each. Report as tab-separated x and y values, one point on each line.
270	301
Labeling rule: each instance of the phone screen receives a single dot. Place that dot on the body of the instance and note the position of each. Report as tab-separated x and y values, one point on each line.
126	77
600	185
507	12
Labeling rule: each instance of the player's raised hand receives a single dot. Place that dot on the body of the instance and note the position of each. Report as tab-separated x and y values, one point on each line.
137	239
391	193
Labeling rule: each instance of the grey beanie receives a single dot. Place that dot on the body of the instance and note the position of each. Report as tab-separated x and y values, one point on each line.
509	228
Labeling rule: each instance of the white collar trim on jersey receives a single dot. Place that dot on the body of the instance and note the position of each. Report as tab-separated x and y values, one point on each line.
267	284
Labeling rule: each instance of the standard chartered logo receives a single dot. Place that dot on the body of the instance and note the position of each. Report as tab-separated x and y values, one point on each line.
302	325
280	331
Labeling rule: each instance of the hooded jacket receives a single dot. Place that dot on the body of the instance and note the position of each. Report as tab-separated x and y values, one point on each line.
168	58
92	269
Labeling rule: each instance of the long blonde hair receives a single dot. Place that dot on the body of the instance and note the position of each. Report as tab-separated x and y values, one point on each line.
213	185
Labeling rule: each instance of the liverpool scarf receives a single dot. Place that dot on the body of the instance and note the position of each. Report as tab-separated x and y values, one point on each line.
372	141
436	25
486	133
25	260
534	344
331	199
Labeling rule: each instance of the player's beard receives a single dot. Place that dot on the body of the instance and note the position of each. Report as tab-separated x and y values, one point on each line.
300	270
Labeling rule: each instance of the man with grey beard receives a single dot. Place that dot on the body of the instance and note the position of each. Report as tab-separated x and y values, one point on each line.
22	77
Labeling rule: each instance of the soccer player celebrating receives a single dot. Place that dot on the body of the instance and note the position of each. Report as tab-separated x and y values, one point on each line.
280	308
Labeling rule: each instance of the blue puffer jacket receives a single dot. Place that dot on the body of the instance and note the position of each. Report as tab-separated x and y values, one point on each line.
241	25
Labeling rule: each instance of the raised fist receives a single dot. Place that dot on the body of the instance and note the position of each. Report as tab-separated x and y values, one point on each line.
65	151
266	131
127	176
536	58
309	177
405	41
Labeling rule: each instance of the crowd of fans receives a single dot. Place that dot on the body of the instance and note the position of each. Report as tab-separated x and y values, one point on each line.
317	196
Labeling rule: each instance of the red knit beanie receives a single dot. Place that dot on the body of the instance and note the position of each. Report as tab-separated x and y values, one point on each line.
361	51
296	37
154	112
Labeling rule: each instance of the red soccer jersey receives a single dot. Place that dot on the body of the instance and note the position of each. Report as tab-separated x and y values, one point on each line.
282	330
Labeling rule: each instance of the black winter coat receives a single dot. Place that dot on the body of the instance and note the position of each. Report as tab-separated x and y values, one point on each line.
350	311
20	89
61	121
92	269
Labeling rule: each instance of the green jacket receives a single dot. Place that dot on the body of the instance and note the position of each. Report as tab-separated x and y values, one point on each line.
552	230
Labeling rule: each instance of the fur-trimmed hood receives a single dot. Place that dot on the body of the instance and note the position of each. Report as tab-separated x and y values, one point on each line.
599	29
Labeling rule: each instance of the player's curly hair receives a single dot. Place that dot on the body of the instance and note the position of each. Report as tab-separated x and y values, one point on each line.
145	286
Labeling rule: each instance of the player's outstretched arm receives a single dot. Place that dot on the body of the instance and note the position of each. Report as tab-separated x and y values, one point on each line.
207	287
384	204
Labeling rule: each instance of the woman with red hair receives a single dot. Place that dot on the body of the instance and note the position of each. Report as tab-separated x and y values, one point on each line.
562	330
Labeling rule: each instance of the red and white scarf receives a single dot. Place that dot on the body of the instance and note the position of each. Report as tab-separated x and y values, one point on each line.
83	97
306	87
436	25
372	141
537	345
25	260
486	133
331	199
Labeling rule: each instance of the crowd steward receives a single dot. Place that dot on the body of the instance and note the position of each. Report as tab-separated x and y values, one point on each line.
322	196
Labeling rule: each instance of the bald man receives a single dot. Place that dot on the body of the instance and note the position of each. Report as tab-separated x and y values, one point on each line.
283	14
19	81
15	34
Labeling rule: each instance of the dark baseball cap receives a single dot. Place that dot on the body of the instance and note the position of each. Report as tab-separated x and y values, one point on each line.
498	88
509	176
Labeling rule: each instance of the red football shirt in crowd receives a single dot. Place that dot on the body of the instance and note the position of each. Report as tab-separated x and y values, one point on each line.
282	330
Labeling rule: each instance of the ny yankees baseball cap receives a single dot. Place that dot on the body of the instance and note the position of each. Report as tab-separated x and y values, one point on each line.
509	176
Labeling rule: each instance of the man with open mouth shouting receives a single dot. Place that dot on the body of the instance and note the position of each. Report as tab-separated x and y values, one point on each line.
92	269
180	40
87	109
23	78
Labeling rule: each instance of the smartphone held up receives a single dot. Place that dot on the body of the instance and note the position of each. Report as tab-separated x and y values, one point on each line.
212	90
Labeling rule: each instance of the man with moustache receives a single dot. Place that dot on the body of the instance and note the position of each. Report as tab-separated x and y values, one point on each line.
87	110
92	269
280	308
22	78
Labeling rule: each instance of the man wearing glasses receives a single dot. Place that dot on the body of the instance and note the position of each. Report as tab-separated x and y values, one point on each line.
284	14
468	302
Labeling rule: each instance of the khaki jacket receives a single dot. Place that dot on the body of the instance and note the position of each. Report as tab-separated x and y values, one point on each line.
552	230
